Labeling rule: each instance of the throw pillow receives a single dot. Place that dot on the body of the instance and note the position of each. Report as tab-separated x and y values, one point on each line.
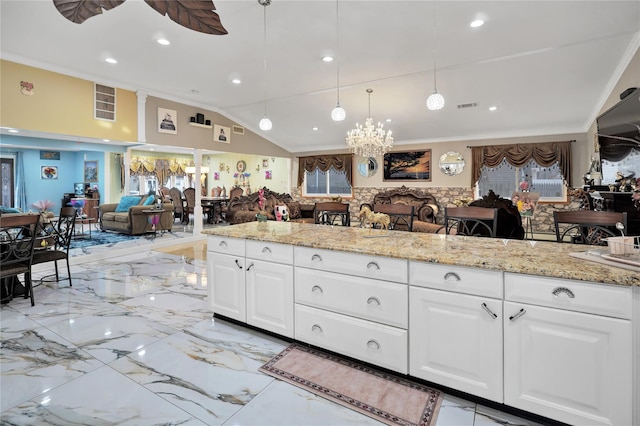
149	201
127	202
4	209
294	210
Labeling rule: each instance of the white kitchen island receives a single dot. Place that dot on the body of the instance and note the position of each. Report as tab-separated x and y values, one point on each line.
517	322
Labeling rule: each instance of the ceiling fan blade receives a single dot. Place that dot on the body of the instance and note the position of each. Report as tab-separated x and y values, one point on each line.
79	11
197	15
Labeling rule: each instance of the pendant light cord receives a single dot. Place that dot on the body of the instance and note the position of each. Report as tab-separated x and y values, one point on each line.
435	49
338	50
265	56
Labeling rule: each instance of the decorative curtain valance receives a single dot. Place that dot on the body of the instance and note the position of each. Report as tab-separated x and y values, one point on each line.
341	163
518	155
160	167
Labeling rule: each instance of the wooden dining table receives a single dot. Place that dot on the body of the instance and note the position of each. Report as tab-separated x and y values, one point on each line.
212	206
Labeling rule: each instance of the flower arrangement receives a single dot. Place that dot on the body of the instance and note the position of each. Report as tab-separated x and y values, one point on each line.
43	205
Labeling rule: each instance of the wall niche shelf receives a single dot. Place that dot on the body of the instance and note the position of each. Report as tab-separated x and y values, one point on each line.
203	126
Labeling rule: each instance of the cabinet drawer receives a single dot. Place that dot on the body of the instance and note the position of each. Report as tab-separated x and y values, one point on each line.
479	282
272	252
592	298
382	268
367	341
226	245
375	300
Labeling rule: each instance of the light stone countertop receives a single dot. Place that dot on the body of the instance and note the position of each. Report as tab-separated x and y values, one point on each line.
549	259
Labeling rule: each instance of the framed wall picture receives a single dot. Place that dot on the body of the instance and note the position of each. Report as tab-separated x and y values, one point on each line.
90	171
221	134
49	172
50	155
167	121
407	166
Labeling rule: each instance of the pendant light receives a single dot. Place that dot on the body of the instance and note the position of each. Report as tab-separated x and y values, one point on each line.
265	123
338	113
435	101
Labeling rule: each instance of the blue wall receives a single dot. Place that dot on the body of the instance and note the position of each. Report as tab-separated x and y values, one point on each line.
70	167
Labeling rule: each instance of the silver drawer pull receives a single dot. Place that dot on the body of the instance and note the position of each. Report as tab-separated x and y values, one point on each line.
266	250
451	276
316	328
238	264
373	300
317	289
371	265
373	344
249	267
518	314
489	311
223	244
316	257
558	290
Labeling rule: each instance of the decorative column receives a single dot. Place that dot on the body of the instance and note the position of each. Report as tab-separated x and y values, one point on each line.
197	209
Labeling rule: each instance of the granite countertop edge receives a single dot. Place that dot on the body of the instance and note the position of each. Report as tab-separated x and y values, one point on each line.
540	258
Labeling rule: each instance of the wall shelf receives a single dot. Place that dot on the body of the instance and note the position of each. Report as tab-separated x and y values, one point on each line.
204	126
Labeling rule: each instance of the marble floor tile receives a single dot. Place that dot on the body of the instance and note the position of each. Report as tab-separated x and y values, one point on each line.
145	315
100	397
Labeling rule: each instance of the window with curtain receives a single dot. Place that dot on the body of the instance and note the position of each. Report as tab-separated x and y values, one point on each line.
543	168
327	175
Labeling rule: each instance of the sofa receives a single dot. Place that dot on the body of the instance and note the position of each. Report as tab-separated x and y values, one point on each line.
132	220
425	207
244	208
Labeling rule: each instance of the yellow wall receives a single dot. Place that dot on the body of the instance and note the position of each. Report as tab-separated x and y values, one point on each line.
61	104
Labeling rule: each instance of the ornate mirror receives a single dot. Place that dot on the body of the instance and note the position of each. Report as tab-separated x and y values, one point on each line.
368	166
451	163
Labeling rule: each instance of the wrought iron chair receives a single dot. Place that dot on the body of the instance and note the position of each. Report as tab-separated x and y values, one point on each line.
57	241
587	226
400	214
332	213
471	221
17	241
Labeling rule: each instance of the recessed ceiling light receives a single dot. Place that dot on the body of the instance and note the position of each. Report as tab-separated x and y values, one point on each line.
476	23
493	108
236	81
327	58
106	140
388	120
163	41
111	61
315	128
13	131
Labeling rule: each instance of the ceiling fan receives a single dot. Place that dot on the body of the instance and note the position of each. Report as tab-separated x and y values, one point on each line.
197	15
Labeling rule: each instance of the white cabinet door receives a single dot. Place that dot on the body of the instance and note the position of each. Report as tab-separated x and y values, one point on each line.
270	296
568	366
456	340
226	285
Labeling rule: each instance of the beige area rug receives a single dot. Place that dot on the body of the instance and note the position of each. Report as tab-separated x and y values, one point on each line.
382	396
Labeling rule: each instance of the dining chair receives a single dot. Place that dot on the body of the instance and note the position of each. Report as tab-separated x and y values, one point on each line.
332	213
400	214
178	203
471	221
235	192
57	240
587	226
17	241
189	203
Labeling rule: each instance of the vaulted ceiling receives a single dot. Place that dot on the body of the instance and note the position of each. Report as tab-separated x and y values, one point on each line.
547	66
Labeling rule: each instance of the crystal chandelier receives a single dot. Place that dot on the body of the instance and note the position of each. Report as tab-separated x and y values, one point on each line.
369	141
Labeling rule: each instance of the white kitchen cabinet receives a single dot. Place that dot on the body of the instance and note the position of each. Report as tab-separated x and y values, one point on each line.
456	340
226	285
270	296
575	367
